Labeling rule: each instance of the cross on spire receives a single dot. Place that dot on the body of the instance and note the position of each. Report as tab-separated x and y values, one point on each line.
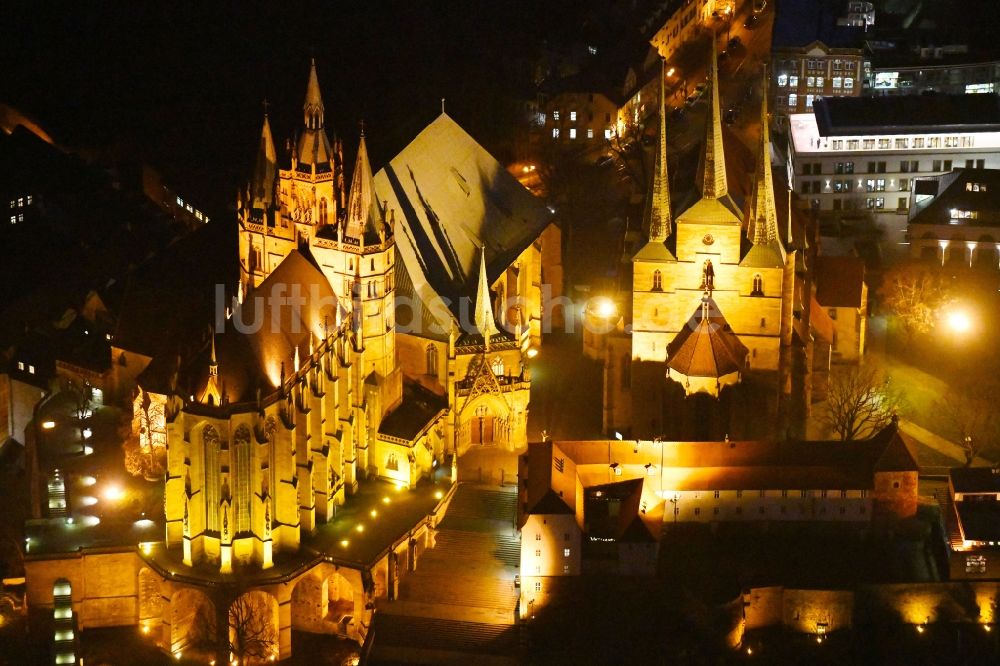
361	123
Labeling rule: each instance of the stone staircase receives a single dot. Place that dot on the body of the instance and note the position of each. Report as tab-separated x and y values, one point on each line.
950	518
461	600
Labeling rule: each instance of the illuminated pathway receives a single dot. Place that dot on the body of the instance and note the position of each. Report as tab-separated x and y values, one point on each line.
461	597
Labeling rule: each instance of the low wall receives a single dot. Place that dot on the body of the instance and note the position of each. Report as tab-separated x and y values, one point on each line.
809	611
104	585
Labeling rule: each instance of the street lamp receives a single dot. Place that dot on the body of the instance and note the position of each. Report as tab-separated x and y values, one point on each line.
959	321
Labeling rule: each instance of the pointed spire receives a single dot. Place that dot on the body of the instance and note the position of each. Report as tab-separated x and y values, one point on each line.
714	184
295	360
213	364
484	307
763	212
313	106
262	187
659	220
363	215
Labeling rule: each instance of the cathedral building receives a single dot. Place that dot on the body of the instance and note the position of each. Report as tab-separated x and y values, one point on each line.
714	296
377	331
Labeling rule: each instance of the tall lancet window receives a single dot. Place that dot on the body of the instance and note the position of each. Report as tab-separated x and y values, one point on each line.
657	281
241	454
432	360
758	285
322	212
210	441
497	366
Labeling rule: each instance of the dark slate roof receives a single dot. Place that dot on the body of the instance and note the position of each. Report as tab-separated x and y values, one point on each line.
799	23
980	521
907	114
975	480
962	189
839	281
419	407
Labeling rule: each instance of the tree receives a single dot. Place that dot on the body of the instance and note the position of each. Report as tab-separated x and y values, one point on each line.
250	634
860	402
915	294
968	411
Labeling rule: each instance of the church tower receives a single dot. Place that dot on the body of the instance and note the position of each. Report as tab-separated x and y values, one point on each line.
654	262
278	215
357	256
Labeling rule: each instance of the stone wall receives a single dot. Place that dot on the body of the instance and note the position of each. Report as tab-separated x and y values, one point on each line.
105	585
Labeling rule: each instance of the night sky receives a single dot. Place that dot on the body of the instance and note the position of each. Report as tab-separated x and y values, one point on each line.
182	87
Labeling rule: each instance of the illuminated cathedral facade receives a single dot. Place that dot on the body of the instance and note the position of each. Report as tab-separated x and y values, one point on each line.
713	302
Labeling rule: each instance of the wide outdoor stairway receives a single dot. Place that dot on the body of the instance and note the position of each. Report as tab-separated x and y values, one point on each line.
458	606
950	518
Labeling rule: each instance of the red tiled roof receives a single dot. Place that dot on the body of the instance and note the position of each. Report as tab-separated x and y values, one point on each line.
839	281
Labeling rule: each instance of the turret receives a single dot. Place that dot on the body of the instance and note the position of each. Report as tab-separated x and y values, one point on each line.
714	184
484	321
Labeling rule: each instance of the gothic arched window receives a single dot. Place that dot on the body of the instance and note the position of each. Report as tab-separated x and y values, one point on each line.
322	211
657	281
241	452
210	440
497	366
758	285
432	360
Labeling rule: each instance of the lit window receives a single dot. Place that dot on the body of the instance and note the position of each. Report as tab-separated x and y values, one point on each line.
618	471
809	101
555	115
819	81
20	217
189	208
782	80
592	50
538	586
793	100
572	133
566	552
31	369
13	203
590	133
836	81
572	116
180	202
20	365
538	537
566	569
607	134
555	132
29	199
20	202
13	219
848	82
793	81
811	81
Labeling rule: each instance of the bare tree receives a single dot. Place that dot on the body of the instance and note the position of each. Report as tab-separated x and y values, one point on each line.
968	410
860	402
915	294
250	635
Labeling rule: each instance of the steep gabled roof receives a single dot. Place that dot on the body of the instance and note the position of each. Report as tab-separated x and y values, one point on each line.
451	197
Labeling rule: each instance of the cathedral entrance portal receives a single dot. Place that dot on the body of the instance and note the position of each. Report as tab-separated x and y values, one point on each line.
482	426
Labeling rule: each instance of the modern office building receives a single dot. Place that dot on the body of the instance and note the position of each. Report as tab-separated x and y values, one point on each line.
862	154
955	219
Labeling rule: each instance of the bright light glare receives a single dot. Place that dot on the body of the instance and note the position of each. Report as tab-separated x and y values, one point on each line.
360	528
113	492
959	321
343	543
89	521
670	72
49	425
438	495
87	433
532	352
87	450
604	307
87	480
87	500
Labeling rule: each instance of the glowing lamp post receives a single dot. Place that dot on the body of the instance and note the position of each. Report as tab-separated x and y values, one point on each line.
958	321
113	492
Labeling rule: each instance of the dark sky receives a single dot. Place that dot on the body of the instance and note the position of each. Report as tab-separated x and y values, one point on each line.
182	86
